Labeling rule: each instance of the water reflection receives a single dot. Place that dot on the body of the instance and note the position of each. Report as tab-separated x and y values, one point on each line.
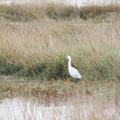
29	109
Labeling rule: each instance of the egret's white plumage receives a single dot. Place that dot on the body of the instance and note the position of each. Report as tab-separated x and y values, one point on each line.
72	71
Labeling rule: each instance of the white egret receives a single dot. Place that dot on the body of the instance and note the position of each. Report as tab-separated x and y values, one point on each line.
72	71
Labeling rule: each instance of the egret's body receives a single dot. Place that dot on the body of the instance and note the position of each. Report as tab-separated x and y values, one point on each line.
72	71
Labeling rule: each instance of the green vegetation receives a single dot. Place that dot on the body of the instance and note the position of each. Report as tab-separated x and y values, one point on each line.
35	40
29	13
34	43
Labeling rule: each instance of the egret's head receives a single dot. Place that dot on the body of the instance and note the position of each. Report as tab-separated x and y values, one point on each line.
68	58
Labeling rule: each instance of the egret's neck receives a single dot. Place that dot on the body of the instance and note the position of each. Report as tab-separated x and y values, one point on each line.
69	63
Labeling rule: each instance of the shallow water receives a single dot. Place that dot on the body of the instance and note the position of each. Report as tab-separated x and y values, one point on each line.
26	109
21	109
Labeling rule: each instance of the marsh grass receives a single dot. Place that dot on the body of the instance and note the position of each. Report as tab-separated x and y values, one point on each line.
39	49
60	90
24	13
34	43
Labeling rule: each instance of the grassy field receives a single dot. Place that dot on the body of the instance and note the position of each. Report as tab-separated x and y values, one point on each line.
24	13
36	47
34	43
39	49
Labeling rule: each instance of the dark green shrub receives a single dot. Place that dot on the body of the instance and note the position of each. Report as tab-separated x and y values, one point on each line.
9	68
